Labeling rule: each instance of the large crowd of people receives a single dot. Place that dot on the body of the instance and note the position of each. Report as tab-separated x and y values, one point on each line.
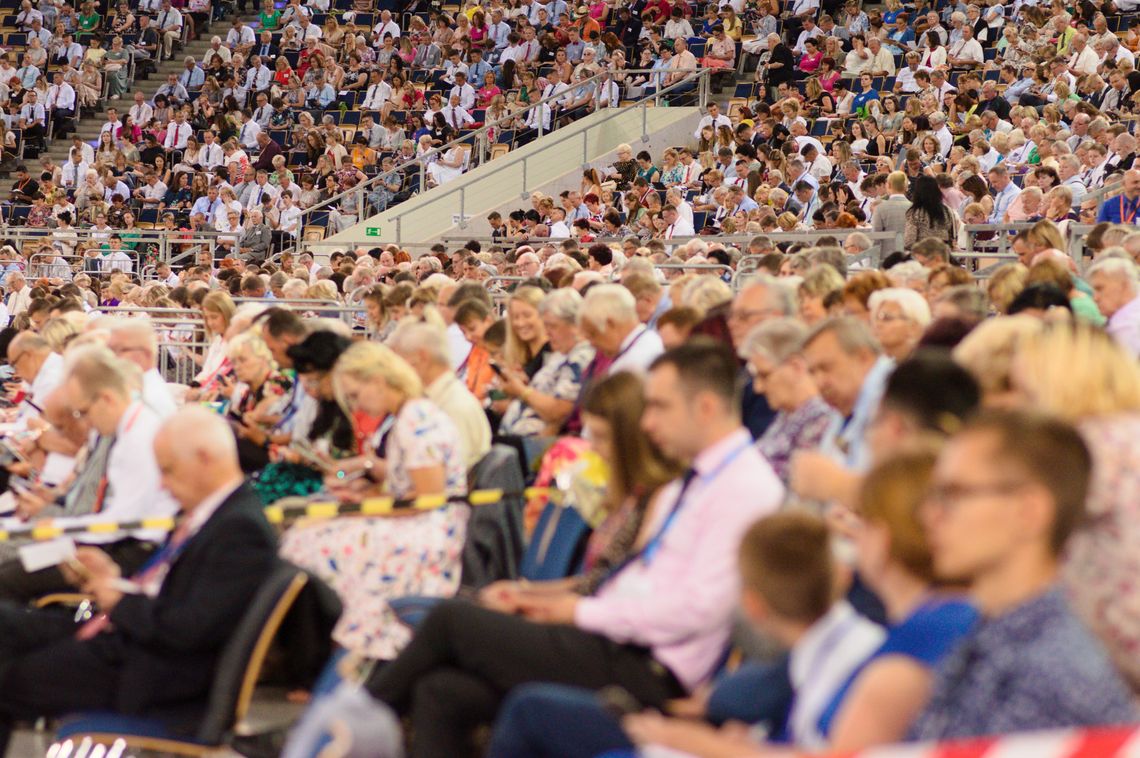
872	488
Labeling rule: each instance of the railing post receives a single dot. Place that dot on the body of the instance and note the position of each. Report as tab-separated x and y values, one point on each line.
644	123
523	194
462	207
423	177
585	150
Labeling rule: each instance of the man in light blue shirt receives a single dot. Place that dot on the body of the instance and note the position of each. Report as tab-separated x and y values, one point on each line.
192	77
1004	192
28	74
320	94
207	205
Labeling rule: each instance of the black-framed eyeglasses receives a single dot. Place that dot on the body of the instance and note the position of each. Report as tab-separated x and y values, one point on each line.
950	495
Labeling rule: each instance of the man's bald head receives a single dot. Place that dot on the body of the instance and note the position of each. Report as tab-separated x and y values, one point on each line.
197	455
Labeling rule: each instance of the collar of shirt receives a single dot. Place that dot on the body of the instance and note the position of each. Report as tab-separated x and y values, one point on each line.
442	385
1023	621
1129	312
713	458
209	505
818	642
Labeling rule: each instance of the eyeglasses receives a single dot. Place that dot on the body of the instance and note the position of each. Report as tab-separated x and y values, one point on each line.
887	318
950	495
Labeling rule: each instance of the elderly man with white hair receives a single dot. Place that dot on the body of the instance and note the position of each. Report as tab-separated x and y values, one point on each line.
857	244
134	340
425	349
1116	290
162	631
528	265
608	320
19	293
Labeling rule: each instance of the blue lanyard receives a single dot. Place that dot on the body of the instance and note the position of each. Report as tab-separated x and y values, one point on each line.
651	547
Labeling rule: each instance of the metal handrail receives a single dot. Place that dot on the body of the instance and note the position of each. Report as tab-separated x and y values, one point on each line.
479	137
700	77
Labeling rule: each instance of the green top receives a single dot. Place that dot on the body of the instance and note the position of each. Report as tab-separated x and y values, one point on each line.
269	21
1085	309
89	23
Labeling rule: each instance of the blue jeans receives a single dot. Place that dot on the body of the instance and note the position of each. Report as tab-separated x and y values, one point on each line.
557	721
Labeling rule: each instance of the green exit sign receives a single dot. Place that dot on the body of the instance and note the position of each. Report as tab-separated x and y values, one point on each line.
372	231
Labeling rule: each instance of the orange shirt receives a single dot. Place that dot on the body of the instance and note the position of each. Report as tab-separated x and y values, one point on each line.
478	372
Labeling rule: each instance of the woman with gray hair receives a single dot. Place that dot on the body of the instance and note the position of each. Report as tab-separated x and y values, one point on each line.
899	316
540	408
780	373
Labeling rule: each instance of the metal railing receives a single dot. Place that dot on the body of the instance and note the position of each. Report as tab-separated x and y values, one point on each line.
170	246
479	140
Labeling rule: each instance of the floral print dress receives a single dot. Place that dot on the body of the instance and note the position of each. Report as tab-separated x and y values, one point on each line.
369	560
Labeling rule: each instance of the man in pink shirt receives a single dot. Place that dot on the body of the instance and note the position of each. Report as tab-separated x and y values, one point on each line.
657	626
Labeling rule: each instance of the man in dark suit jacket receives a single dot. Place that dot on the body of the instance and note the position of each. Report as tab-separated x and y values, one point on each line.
269	151
168	626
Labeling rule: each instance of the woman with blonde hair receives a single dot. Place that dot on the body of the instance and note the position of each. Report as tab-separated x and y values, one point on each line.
987	353
1046	236
815	288
58	332
527	344
1079	373
706	293
418	453
1006	284
217	312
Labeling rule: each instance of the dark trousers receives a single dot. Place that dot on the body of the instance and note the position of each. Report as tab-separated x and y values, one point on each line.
465	659
45	671
18	586
61	121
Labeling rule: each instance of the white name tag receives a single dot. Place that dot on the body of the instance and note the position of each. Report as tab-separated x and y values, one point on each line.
41	555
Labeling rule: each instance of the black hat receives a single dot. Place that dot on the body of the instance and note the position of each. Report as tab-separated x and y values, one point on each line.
318	352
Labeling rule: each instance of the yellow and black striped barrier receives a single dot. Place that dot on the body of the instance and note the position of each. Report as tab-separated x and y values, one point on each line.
280	514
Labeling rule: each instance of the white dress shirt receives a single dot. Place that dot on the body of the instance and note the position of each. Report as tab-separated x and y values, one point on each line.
235	38
176	136
247	136
376	95
141	114
134	484
61	96
210	156
156	393
639	349
72	174
18	301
